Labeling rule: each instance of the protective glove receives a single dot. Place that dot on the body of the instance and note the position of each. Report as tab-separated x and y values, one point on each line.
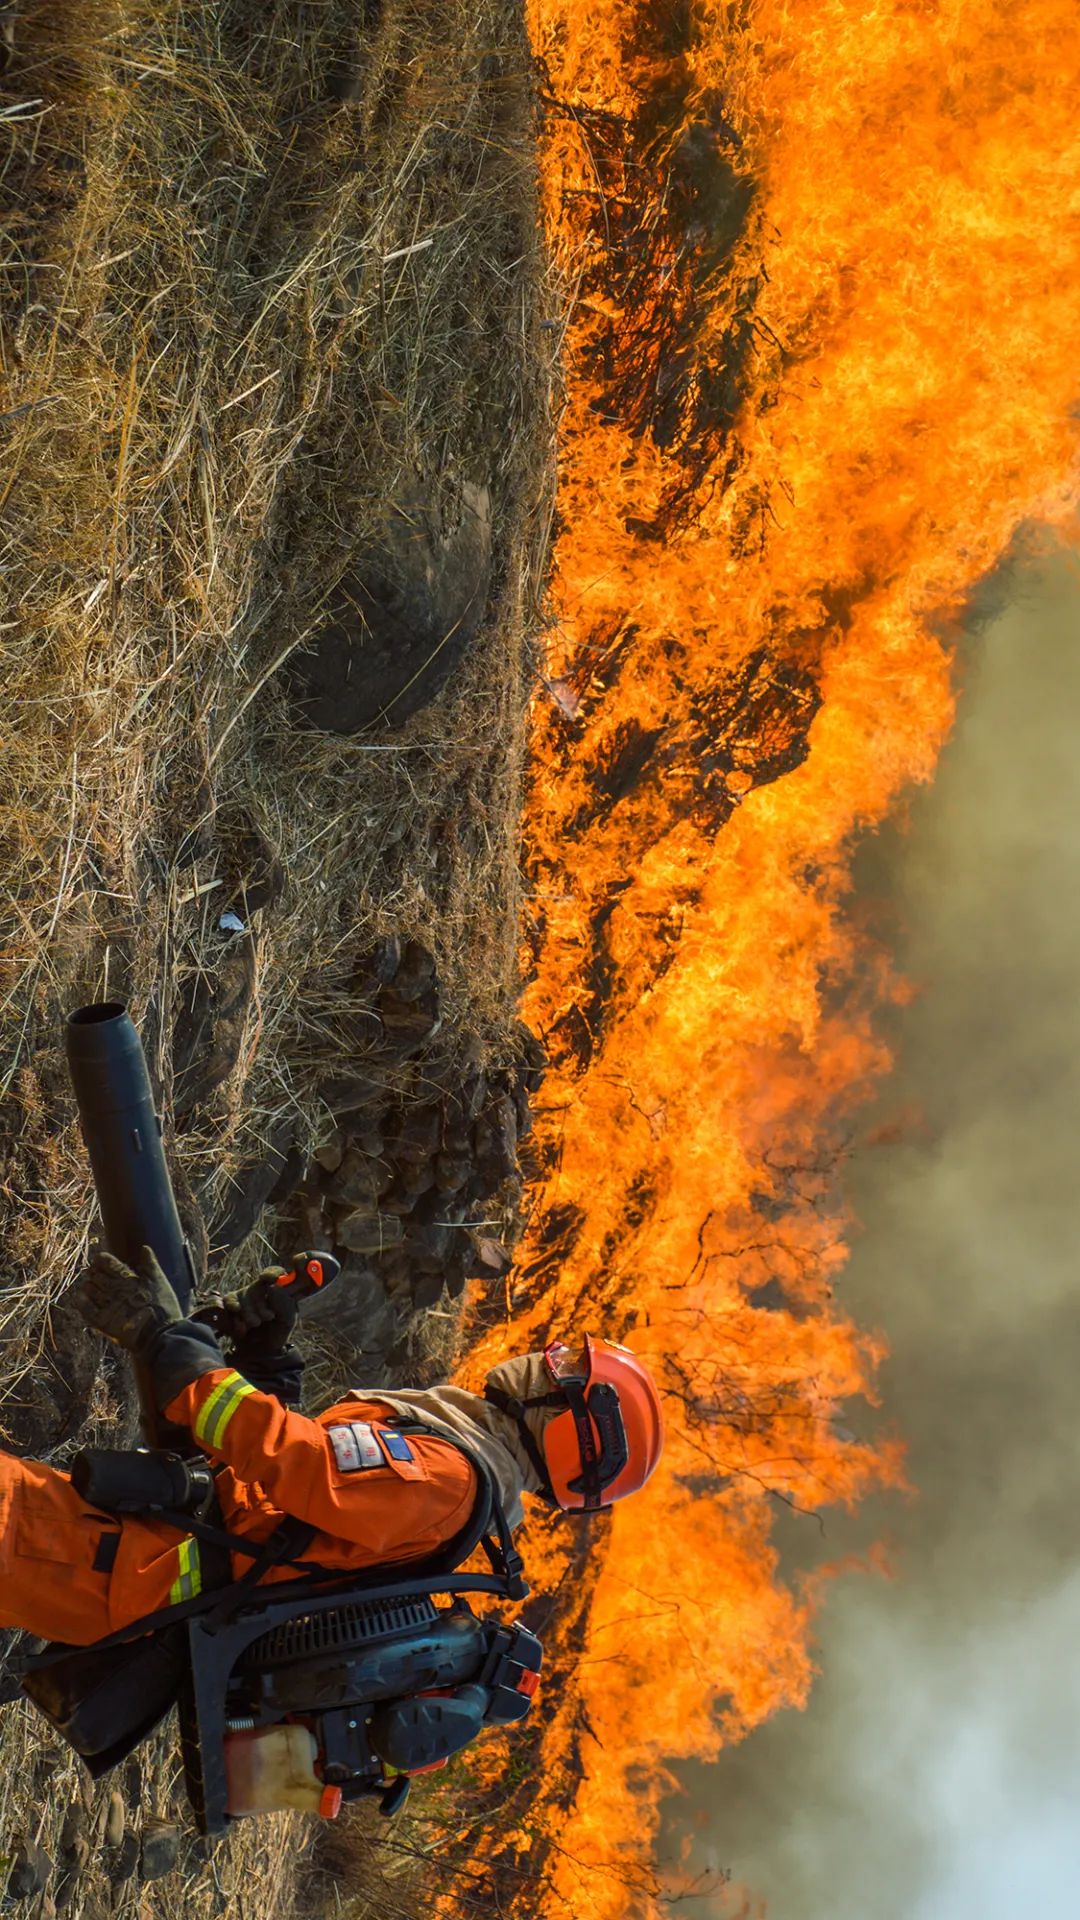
259	1319
264	1304
128	1305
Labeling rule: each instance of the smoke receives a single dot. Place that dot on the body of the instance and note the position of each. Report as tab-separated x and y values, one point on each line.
934	1775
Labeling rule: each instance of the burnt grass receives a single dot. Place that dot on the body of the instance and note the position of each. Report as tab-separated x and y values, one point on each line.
275	420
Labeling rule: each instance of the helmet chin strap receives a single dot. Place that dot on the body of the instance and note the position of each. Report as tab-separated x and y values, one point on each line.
516	1410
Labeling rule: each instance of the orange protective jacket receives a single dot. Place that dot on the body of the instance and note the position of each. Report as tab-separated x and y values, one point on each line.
69	1572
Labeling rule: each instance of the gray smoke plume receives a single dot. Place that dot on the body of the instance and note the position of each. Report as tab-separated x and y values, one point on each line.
936	1772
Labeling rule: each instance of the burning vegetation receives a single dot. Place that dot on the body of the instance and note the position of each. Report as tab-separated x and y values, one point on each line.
819	269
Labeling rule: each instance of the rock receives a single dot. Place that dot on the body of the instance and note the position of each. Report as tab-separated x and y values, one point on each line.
427	1246
474	1093
30	1869
416	973
160	1849
350	1092
312	1221
369	1232
491	1260
358	1182
208	1028
290	1177
330	1153
115	1821
134	1779
396	1275
401	621
68	1888
356	1286
357	1309
485	1182
380	963
495	1142
123	1862
368	1138
408	1024
399	1204
452	1171
360	1033
418	1136
428	1291
415	1180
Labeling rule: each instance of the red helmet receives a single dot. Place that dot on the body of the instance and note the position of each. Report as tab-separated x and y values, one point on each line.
609	1437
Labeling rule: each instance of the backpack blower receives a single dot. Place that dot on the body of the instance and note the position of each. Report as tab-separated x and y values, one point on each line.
316	1690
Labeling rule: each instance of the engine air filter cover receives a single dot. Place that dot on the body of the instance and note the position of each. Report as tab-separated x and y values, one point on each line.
348	1656
340	1630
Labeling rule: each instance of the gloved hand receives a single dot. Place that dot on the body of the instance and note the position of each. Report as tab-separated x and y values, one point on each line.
128	1305
263	1315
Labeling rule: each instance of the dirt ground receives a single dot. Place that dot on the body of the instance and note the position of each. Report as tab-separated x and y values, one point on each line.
276	358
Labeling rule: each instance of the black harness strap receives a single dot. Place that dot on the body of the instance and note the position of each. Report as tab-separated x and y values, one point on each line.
328	1584
516	1410
487	1514
107	1549
282	1549
595	1412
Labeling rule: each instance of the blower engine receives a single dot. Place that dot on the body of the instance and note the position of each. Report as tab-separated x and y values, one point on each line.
300	1703
354	1700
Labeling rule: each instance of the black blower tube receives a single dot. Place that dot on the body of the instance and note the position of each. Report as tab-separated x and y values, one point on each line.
123	1139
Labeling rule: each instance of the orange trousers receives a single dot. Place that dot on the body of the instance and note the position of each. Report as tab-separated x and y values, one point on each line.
59	1559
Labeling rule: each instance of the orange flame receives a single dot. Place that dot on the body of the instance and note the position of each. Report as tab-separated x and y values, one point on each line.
822	257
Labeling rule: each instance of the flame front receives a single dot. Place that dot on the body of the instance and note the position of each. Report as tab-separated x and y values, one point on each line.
821	260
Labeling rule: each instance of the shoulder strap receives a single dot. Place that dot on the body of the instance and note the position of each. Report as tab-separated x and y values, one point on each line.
487	1525
516	1410
282	1549
324	1584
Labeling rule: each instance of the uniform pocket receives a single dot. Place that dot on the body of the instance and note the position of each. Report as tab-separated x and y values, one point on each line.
361	1448
42	1533
401	1453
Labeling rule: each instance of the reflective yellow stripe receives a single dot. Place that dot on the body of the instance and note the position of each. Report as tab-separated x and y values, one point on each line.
188	1581
209	1407
214	1415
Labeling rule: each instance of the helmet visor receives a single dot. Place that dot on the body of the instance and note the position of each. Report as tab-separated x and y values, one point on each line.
568	1363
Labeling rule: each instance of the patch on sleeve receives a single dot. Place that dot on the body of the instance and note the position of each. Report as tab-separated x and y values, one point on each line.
355	1447
396	1444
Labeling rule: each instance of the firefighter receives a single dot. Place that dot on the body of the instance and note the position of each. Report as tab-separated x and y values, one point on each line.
380	1478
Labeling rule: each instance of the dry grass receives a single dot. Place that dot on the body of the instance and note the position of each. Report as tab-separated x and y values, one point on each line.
235	309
